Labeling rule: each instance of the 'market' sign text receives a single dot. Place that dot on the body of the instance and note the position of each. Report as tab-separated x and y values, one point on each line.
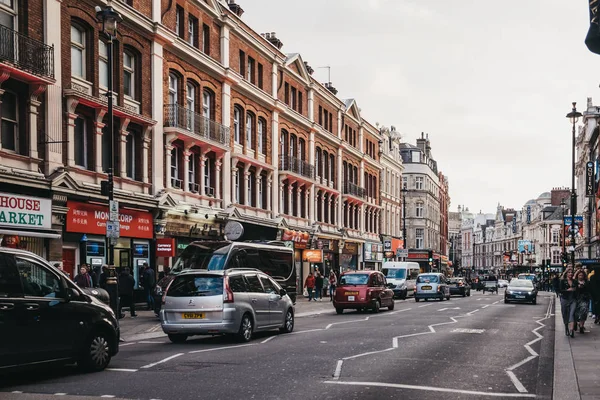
25	212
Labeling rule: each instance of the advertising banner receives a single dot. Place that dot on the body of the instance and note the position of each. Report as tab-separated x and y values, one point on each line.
91	219
25	212
312	256
589	179
525	246
577	228
165	247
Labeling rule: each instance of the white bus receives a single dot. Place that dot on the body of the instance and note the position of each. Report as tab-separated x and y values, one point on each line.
402	275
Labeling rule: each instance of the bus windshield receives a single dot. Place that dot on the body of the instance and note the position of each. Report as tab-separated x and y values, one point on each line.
210	256
394	273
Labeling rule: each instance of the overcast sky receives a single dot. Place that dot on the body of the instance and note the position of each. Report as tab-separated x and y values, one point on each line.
490	81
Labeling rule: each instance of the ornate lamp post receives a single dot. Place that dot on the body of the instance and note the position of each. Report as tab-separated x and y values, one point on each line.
573	116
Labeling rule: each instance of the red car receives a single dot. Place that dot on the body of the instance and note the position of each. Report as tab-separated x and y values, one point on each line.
362	290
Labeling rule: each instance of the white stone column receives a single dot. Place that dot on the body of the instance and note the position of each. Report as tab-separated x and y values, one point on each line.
269	193
274	79
257	184
361	135
168	155
234	196
201	185
322	206
226	110
54	97
299	200
246	187
218	179
346	217
225	45
275	191
340	183
33	105
146	143
328	205
311	149
99	125
361	178
226	178
280	191
158	156
289	199
71	117
335	216
307	193
311	106
311	204
361	218
340	128
123	124
186	169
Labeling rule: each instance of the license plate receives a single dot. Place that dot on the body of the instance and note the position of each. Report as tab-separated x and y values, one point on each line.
192	315
426	287
351	293
350	298
520	297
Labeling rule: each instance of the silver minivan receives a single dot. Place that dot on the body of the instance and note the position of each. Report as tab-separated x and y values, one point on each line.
234	301
432	285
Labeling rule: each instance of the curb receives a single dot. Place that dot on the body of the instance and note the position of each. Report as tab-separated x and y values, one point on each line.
565	385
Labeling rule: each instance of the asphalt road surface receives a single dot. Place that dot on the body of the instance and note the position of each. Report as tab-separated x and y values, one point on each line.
467	348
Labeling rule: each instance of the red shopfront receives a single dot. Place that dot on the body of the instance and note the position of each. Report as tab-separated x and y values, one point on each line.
85	230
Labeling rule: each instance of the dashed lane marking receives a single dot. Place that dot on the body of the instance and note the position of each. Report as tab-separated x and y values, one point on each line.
150	342
346	322
426	305
267	339
222	348
432	389
164	360
60	394
486	306
121	369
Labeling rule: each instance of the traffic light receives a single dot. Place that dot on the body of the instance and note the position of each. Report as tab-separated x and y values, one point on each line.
430	256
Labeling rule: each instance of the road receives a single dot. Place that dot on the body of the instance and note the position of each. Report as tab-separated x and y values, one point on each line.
466	348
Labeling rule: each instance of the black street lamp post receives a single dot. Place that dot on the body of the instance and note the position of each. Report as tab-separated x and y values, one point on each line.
110	19
564	239
404	238
573	116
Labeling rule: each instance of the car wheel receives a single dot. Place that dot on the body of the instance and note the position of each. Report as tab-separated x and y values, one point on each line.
339	310
416	299
96	356
288	325
391	307
469	293
177	337
246	328
442	297
376	307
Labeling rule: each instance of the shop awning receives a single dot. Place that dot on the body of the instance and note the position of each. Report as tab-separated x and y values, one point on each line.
40	233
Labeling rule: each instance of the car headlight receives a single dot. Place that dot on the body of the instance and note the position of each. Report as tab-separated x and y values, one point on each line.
509	291
402	286
530	293
158	290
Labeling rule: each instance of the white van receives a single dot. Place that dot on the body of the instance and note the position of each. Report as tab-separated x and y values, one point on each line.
402	275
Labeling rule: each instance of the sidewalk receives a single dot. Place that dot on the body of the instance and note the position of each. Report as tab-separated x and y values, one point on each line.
147	326
576	361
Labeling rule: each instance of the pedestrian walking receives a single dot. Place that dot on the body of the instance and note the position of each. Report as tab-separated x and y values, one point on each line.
318	286
568	302
103	277
556	285
582	299
126	285
309	284
149	285
332	284
83	279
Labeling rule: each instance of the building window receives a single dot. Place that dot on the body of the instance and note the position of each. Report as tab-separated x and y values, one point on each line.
207	175
8	14
260	132
173	89
129	74
237	115
555	236
130	147
419	238
419	210
419	183
106	149
77	52
318	162
192	31
242	63
206	104
249	125
556	257
206	39
175	181
331	168
192	161
10	123
250	72
260	76
81	142
190	103
103	64
293	99
251	182
179	21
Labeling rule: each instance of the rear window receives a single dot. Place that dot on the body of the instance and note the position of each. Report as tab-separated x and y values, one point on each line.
354	279
196	285
521	283
427	279
394	273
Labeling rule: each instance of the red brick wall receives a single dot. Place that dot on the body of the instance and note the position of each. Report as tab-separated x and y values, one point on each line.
235	45
300	88
320	101
295	129
259	111
143	6
33	24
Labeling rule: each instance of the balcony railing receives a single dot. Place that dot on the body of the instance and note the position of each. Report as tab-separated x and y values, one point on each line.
297	166
26	53
183	118
354	190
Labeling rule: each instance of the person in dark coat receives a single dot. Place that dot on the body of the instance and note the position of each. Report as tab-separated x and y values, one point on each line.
103	276
149	279
126	285
83	279
594	286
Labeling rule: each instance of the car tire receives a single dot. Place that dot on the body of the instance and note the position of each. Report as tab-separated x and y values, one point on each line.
416	299
469	293
288	324
376	307
96	354
339	310
246	329
177	337
442	297
391	307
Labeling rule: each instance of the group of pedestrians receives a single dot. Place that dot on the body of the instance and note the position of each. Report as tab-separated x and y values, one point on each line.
315	282
579	296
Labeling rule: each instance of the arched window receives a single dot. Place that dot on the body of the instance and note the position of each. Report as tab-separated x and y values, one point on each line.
293	147
282	143
301	149
208	99
237	124
260	135
190	104
78	51
173	89
332	167
318	162
249	129
332	216
129	74
355	175
325	165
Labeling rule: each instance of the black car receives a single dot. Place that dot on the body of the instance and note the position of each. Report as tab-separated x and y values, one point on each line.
459	286
46	318
521	290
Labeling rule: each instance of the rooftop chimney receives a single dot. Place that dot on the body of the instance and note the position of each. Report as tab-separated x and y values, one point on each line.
309	68
272	38
422	143
329	86
235	8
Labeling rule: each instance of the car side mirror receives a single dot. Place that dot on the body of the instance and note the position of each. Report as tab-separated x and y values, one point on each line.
282	292
390	285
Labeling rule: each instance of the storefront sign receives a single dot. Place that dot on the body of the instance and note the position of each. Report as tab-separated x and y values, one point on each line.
350	248
233	230
589	179
91	219
165	247
419	256
299	238
25	212
312	256
373	251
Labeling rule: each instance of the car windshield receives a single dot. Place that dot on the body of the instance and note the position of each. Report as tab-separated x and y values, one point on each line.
394	273
196	285
529	277
427	279
354	279
209	256
521	283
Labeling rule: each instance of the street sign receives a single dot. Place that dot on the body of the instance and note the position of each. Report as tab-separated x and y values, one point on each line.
402	253
114	210
113	229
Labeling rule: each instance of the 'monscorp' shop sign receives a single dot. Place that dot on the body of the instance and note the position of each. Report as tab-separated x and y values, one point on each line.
25	212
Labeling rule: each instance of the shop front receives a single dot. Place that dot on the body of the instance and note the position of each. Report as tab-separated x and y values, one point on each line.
349	256
372	255
26	222
297	240
85	237
184	229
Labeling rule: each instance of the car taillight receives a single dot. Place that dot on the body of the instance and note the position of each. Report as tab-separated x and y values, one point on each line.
439	288
227	293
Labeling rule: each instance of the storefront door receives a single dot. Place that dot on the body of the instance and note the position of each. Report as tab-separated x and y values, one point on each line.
68	258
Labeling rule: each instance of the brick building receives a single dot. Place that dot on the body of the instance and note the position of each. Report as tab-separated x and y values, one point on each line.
213	122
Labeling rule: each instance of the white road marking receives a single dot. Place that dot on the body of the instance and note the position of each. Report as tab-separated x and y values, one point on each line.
108	396
496	302
306	331
221	348
155	328
121	369
151	342
126	344
426	305
486	306
338	369
516	382
473	312
16	392
346	322
267	339
163	360
368	353
449	308
60	394
464	330
431	389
